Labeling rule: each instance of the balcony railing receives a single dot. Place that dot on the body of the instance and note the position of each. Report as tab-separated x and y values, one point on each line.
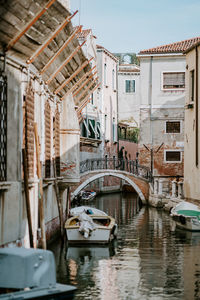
130	166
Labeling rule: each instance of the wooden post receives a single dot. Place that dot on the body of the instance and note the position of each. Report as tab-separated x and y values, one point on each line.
26	191
59	203
41	204
68	202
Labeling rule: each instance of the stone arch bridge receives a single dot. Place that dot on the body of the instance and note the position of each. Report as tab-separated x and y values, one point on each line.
131	172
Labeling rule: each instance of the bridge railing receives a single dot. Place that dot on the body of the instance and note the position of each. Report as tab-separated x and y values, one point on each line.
130	166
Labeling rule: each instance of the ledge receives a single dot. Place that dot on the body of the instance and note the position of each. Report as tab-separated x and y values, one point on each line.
5	185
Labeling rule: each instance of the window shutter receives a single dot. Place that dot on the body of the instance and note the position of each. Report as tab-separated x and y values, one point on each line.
57	141
47	140
29	128
174	80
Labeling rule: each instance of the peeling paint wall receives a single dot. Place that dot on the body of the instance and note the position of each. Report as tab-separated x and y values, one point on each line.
159	106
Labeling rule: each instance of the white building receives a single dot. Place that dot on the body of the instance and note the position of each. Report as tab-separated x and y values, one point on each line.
107	68
129	94
162	82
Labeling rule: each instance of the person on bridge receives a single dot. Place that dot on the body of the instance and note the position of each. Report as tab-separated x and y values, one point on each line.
121	158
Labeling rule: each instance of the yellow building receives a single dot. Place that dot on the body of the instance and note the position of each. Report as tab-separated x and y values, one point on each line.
192	124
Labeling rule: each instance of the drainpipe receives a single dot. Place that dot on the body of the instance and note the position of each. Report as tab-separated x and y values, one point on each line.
197	109
151	117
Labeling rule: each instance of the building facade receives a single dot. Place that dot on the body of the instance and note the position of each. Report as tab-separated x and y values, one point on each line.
192	125
41	61
162	81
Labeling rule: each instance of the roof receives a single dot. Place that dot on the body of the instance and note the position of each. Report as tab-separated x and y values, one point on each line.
55	67
178	47
101	48
129	68
84	33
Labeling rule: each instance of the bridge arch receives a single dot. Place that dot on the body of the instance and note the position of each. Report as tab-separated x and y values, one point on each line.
88	177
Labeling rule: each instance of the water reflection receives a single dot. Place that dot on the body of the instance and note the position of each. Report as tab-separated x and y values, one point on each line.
147	261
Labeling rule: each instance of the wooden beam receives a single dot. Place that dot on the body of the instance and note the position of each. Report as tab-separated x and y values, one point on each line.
83	84
63	24
84	91
65	62
14	41
86	100
78	29
41	198
79	81
72	76
27	198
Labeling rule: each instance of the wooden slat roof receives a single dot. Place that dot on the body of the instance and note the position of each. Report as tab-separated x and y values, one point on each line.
16	14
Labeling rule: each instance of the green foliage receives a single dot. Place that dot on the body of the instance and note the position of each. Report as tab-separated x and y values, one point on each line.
130	134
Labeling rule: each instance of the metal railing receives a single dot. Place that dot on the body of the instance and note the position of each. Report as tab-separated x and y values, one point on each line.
130	166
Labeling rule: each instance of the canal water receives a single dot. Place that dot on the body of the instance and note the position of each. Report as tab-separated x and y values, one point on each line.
146	261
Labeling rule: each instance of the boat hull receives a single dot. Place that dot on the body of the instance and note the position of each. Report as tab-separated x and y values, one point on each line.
186	216
99	235
186	223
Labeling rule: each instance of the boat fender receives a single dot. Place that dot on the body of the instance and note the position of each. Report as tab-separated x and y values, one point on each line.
182	220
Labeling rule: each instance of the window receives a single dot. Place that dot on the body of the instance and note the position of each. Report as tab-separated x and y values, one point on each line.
173	127
105	74
114	130
130	86
173	80
191	86
173	156
113	79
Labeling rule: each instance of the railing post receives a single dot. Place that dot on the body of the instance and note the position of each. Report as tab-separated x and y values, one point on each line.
174	188
155	186
160	186
114	163
106	162
180	189
92	165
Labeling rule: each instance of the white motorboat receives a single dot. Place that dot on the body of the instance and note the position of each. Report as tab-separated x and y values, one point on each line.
90	225
186	216
87	209
87	195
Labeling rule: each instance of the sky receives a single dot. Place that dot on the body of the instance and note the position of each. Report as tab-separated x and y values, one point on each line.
135	25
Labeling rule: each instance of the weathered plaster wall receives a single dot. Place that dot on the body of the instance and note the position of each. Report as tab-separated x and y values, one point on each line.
191	171
157	107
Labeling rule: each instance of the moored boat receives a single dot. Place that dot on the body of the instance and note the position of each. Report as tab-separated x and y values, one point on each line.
186	216
88	195
90	225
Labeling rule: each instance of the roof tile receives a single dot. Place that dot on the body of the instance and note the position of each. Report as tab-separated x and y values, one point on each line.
178	47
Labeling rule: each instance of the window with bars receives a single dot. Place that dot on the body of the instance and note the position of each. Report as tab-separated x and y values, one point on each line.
173	127
3	128
173	156
173	80
130	86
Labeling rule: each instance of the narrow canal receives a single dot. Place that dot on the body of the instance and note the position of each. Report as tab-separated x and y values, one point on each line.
147	261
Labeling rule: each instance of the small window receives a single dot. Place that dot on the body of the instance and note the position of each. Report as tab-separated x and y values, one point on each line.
173	80
113	79
173	127
191	86
173	156
130	86
105	74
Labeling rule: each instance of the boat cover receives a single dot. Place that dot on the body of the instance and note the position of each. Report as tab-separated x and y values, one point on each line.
86	224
